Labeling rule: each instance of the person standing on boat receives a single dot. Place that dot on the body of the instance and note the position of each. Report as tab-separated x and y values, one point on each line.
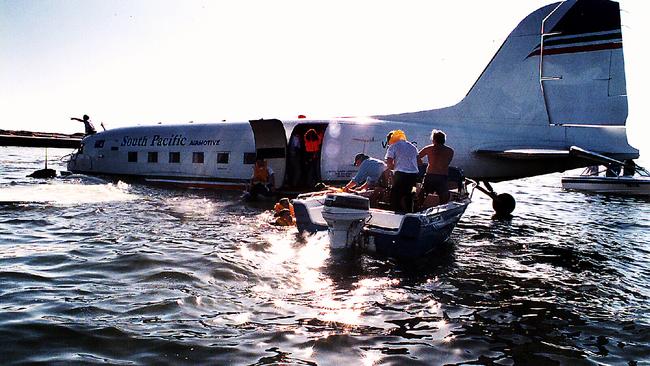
401	157
88	126
370	170
439	157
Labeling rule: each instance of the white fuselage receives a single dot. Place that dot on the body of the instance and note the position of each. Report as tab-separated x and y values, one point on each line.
229	149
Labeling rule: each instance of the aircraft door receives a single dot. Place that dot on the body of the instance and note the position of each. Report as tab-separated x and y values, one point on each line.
271	144
304	156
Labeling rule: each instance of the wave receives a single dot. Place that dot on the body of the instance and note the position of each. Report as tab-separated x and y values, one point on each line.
66	193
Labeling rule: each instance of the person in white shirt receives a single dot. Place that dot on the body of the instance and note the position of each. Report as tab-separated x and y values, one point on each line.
402	157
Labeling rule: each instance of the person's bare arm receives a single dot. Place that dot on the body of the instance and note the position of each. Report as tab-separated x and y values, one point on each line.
351	184
390	163
363	187
422	153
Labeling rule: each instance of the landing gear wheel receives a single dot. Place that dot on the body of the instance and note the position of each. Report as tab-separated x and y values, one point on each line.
503	204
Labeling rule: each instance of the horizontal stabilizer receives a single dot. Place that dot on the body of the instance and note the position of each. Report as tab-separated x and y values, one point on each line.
525	154
590	155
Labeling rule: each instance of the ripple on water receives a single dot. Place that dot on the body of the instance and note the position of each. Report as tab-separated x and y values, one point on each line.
154	276
170	276
7	277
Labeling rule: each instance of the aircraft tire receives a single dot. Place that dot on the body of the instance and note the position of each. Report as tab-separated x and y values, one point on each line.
503	204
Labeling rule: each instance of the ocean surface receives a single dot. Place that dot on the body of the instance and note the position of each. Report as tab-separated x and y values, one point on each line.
100	272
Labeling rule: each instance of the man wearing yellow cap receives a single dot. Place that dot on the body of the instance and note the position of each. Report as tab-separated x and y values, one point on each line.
402	157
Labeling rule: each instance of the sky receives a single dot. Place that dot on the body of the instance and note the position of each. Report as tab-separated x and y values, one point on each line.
148	61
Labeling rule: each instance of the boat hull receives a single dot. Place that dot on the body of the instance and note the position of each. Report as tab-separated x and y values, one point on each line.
631	186
387	233
419	234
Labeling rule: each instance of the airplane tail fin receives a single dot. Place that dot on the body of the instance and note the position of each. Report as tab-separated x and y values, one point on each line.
562	65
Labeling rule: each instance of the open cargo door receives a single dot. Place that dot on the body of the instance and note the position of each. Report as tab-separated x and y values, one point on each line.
271	144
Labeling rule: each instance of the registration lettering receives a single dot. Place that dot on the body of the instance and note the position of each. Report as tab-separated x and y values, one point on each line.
205	142
173	140
156	140
135	141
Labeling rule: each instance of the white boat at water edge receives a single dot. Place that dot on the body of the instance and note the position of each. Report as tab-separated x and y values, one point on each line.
637	184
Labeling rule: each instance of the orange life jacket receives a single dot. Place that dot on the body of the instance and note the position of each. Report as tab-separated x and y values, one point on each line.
312	144
260	174
285	221
278	207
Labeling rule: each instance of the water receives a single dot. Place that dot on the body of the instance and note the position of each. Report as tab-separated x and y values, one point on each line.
98	272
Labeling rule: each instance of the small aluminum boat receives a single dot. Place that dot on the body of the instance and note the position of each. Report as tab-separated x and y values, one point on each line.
352	223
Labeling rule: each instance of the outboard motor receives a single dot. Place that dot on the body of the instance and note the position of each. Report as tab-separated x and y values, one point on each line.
345	214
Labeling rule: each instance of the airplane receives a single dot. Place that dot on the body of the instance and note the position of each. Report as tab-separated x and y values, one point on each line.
557	81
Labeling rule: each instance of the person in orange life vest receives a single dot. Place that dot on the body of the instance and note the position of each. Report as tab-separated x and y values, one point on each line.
263	180
284	218
284	204
312	142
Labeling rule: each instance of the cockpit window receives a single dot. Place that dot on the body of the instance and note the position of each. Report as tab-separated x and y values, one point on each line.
99	144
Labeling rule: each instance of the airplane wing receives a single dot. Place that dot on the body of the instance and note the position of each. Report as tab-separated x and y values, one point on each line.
536	154
525	154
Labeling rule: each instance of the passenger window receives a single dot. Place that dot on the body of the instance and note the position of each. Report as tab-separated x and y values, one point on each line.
197	158
99	144
223	157
249	158
152	157
133	156
175	157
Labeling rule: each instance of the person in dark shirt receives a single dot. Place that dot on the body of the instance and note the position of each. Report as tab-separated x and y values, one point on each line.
89	128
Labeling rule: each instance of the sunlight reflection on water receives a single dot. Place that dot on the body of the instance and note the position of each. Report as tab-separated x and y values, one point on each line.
64	193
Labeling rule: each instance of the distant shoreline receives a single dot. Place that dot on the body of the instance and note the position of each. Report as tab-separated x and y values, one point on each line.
39	139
